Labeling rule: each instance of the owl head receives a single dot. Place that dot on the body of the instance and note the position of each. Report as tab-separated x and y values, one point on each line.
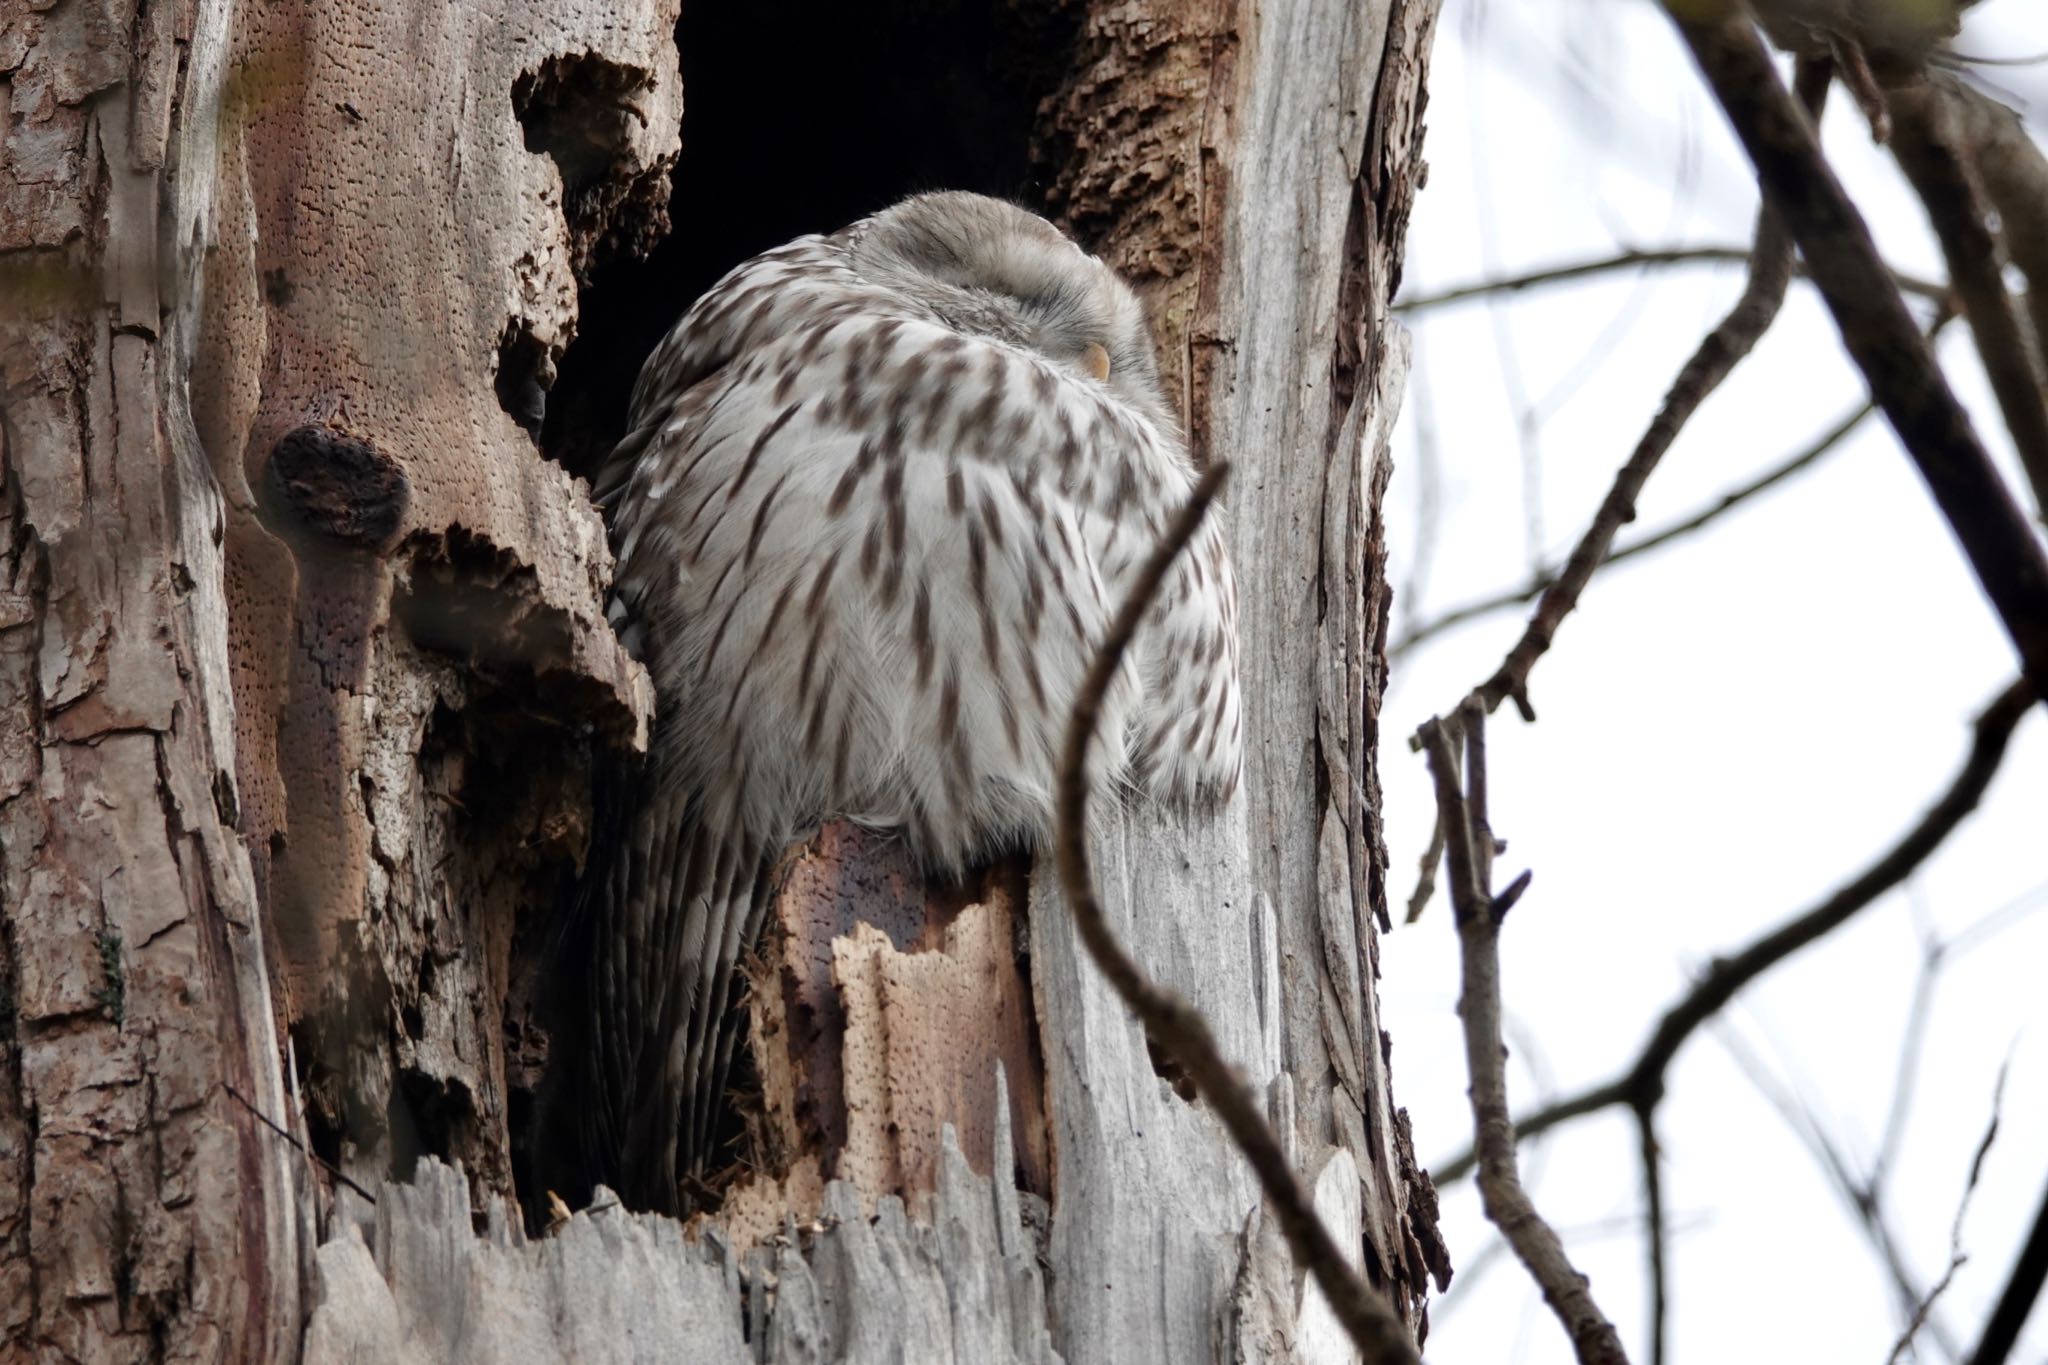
990	268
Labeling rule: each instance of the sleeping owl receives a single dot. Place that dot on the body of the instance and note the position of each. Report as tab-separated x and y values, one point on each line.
881	492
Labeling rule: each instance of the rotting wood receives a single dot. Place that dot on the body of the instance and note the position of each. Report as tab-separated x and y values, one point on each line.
884	1010
210	253
411	797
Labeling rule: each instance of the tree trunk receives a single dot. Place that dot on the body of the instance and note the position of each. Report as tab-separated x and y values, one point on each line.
304	666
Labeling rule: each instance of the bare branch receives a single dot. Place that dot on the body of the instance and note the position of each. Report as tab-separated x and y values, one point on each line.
1656	1235
1874	323
2016	1301
1633	259
1862	1199
1469	855
1770	270
1956	1256
2015	176
1643	1082
1763	294
1172	1025
1928	149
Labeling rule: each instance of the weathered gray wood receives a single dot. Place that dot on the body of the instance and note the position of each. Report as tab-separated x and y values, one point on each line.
605	1287
956	1284
1262	917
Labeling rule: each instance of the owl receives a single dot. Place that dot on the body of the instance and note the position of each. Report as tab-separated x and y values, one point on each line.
881	493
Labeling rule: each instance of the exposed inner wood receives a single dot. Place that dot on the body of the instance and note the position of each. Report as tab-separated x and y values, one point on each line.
880	1014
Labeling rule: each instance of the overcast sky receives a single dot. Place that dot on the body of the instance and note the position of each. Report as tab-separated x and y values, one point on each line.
1729	729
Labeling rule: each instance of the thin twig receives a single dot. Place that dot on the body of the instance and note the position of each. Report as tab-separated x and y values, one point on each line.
1957	1260
1175	1027
1656	1236
292	1138
1636	259
1644	1079
1925	143
1956	1255
1425	875
1468	855
1862	1200
1699	520
1874	323
1428	464
1906	1077
1476	1264
1992	923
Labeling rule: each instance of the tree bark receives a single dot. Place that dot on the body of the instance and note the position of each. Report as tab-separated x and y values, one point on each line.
303	665
141	1215
278	573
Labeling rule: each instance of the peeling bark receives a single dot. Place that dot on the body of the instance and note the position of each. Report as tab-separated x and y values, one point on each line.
142	1213
889	1010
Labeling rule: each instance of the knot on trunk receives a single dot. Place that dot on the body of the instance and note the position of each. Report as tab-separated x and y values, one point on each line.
339	486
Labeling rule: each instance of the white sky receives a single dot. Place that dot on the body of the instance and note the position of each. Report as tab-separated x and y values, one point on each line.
1730	728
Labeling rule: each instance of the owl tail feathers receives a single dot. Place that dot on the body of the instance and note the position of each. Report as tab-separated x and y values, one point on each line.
731	911
669	908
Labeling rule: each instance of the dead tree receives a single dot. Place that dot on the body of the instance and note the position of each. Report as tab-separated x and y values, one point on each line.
304	666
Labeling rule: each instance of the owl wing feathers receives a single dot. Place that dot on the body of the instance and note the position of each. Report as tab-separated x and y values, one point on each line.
682	899
870	559
1191	741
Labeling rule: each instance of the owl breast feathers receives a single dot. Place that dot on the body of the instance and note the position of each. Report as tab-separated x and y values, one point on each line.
882	492
876	513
